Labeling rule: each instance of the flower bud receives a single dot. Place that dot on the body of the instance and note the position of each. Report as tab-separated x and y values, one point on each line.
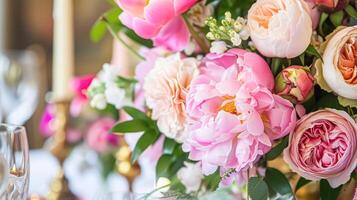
331	5
295	83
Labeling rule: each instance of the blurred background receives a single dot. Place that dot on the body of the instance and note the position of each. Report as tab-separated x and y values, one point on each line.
26	34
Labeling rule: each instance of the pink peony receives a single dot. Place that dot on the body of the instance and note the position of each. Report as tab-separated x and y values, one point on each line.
98	137
158	20
79	85
231	109
323	146
165	88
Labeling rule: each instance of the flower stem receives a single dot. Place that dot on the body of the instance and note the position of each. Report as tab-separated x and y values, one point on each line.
117	37
200	41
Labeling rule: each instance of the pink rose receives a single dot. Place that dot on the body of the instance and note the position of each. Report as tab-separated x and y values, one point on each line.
165	89
280	28
231	108
295	83
98	137
323	146
79	86
158	20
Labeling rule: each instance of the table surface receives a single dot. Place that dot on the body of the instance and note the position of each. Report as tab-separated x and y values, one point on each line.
82	170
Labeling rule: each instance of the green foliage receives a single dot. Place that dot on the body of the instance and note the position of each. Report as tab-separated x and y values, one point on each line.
169	146
327	192
108	164
132	126
351	11
258	189
313	52
236	7
301	182
148	138
111	19
278	182
278	149
169	164
212	180
336	18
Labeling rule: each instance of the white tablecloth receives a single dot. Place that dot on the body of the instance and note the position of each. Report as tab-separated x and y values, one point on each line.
82	171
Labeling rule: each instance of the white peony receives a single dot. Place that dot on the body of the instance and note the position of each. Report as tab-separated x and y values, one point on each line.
165	89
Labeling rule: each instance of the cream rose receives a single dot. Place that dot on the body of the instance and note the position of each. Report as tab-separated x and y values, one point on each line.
280	28
165	89
339	66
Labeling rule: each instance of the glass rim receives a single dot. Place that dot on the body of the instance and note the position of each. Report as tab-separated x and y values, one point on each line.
14	128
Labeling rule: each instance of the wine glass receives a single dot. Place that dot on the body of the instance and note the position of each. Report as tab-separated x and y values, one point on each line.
15	152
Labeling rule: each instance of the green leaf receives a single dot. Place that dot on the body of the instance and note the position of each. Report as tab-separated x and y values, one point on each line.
257	189
132	126
98	31
213	181
302	59
329	101
312	51
336	18
276	65
323	18
301	182
327	192
133	36
148	138
135	113
276	151
351	11
278	182
169	146
163	165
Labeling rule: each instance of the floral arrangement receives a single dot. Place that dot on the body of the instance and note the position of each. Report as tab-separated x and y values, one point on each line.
232	87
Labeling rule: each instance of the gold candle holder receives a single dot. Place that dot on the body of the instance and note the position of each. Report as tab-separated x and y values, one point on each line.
59	189
124	166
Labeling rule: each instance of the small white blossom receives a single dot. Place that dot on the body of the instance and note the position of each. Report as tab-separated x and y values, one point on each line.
116	96
98	101
190	49
244	33
163	183
236	40
109	73
190	176
218	47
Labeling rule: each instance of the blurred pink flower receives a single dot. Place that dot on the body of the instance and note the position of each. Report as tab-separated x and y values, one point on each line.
324	146
158	20
79	86
230	108
98	137
46	121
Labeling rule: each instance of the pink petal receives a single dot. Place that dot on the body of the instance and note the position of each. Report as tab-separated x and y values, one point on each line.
174	36
182	6
134	7
144	28
159	12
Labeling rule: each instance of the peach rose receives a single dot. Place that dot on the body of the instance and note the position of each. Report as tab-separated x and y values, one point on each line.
280	28
165	89
339	67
